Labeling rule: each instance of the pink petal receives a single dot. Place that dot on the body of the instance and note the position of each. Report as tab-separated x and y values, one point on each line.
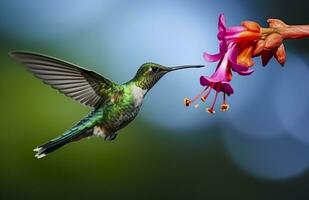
238	68
221	35
219	86
221	23
227	88
234	30
205	81
212	58
233	52
223	46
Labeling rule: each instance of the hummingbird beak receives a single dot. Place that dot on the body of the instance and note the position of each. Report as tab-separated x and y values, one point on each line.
169	69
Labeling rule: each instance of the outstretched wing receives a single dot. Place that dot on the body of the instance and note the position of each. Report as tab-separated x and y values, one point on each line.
84	86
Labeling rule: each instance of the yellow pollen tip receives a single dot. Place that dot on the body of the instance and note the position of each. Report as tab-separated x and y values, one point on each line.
210	110
224	107
187	102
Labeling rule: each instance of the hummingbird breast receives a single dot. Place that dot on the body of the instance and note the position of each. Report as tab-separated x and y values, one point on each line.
138	95
121	109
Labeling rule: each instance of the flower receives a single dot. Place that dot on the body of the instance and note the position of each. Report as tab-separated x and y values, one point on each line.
233	53
219	81
237	46
240	39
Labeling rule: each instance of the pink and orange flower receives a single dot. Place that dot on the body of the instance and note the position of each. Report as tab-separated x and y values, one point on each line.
237	46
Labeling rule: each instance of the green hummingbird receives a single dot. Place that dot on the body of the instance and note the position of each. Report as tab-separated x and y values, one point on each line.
114	105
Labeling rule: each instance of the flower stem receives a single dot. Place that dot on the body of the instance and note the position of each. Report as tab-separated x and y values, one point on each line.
288	32
294	32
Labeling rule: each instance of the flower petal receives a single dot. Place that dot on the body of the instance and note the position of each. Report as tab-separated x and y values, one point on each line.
246	73
233	60
258	49
220	35
219	86
221	23
244	57
205	81
234	30
280	54
212	58
223	47
251	26
227	88
248	35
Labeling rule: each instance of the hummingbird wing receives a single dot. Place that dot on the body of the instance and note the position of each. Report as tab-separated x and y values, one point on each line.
84	86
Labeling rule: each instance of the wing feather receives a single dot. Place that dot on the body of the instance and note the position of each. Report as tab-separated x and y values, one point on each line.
84	86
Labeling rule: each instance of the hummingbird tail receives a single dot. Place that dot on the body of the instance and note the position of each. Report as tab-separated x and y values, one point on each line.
82	129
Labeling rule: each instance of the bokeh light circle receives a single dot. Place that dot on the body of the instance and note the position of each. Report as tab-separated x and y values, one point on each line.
252	111
276	158
291	97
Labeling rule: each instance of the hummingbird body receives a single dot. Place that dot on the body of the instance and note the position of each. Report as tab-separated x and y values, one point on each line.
119	110
114	106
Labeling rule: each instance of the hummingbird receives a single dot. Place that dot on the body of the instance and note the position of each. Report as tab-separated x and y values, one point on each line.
113	105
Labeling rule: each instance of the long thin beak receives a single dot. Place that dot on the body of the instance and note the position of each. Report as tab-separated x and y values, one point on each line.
169	69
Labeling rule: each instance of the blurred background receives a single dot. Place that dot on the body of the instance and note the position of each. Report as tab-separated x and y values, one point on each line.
259	149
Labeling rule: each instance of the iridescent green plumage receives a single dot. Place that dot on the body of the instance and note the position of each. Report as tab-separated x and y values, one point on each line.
114	106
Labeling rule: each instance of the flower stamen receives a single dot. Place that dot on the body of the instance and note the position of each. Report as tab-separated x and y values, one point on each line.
211	109
203	98
224	106
187	102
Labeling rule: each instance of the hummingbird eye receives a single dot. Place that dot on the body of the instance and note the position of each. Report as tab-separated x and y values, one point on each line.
154	69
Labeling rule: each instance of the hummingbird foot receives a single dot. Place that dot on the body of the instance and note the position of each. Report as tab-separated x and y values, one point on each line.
110	137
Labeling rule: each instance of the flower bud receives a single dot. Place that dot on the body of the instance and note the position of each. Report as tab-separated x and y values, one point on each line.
258	48
273	41
276	23
280	54
266	56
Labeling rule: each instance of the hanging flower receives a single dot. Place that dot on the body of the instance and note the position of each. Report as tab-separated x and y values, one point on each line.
237	46
231	57
239	40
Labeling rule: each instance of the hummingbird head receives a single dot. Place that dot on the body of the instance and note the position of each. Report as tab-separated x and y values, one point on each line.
150	73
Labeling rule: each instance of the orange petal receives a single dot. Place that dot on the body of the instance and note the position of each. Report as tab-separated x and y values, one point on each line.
266	56
280	54
251	26
276	23
245	54
259	46
272	41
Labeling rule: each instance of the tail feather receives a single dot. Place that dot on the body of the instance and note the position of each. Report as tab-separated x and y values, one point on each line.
56	143
80	130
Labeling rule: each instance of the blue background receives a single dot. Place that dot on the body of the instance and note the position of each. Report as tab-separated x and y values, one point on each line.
257	150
